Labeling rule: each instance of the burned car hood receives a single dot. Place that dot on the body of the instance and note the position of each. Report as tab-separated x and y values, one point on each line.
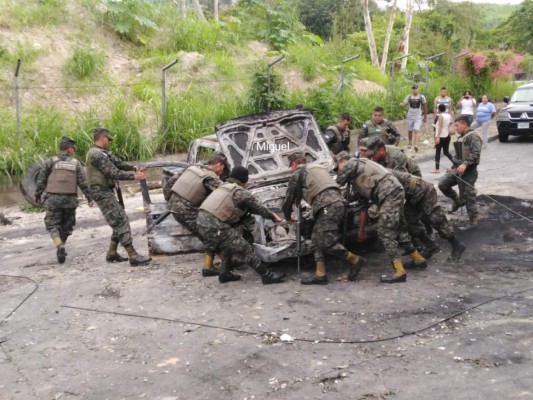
263	142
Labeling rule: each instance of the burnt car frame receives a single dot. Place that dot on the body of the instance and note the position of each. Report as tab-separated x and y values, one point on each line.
262	144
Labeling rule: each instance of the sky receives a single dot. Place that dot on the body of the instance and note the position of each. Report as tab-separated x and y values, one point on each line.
402	3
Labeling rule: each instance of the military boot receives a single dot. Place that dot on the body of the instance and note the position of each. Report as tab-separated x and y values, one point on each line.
356	263
417	261
209	269
225	274
61	254
457	249
112	255
136	259
457	204
430	247
399	273
268	276
319	277
472	224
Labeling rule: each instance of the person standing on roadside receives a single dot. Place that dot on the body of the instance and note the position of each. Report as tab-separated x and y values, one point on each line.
467	104
103	172
442	137
485	112
60	177
416	115
443	98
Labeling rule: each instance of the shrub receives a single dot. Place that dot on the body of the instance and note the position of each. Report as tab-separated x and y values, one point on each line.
259	97
131	19
85	62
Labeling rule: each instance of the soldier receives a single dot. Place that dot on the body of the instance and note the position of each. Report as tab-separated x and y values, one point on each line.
464	171
374	183
337	137
380	127
391	156
185	193
103	172
313	183
421	200
219	212
60	177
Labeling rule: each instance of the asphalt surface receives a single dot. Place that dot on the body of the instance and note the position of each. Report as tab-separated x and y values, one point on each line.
91	330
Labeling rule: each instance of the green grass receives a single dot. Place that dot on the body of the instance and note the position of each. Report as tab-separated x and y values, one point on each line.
25	51
85	62
18	14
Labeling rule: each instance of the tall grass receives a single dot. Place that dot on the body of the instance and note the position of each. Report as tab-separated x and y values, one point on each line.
85	62
25	51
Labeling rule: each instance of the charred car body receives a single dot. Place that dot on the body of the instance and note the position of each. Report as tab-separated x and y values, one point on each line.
262	144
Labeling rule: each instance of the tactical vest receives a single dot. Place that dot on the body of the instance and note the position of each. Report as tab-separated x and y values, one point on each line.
190	185
63	178
220	204
465	149
366	181
375	130
317	180
94	175
408	181
392	153
335	129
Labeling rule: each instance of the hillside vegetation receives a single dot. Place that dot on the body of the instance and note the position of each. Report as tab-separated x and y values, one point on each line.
89	63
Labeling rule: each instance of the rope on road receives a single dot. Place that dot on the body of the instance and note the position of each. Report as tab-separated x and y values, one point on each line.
25	299
305	340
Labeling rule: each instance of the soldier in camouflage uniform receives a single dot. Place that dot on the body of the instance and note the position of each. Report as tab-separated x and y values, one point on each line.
337	137
186	191
374	183
312	183
380	127
103	171
464	171
391	157
60	177
216	219
421	200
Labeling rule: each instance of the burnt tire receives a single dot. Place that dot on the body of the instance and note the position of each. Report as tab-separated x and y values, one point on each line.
29	183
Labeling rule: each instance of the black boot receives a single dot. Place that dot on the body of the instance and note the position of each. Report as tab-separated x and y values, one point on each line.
313	279
268	276
61	254
113	258
457	249
430	247
457	204
225	275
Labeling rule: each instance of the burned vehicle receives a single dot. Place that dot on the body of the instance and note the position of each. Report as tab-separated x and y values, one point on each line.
262	144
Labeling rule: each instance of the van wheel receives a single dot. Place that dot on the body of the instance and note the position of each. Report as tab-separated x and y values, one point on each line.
503	137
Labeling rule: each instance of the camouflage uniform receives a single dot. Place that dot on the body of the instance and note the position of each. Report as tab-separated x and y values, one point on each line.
472	143
222	237
421	200
342	139
102	161
184	211
60	208
386	131
328	212
389	196
396	159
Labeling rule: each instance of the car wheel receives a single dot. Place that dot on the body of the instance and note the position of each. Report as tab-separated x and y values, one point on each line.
503	137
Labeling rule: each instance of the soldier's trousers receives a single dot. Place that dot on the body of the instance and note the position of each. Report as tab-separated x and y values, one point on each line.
114	214
221	237
184	213
60	222
448	181
427	206
392	228
325	235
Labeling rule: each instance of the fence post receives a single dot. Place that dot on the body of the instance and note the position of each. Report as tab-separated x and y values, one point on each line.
343	72
164	96
17	97
270	65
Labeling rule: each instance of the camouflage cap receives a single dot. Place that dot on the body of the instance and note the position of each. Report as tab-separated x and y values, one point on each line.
362	144
102	132
239	173
343	155
295	156
372	145
67	142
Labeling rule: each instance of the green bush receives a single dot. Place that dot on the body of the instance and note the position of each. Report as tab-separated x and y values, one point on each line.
259	97
131	19
26	13
85	62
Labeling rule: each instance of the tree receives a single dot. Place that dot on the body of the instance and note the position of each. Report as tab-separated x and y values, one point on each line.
198	9
517	30
370	34
318	15
403	45
385	54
